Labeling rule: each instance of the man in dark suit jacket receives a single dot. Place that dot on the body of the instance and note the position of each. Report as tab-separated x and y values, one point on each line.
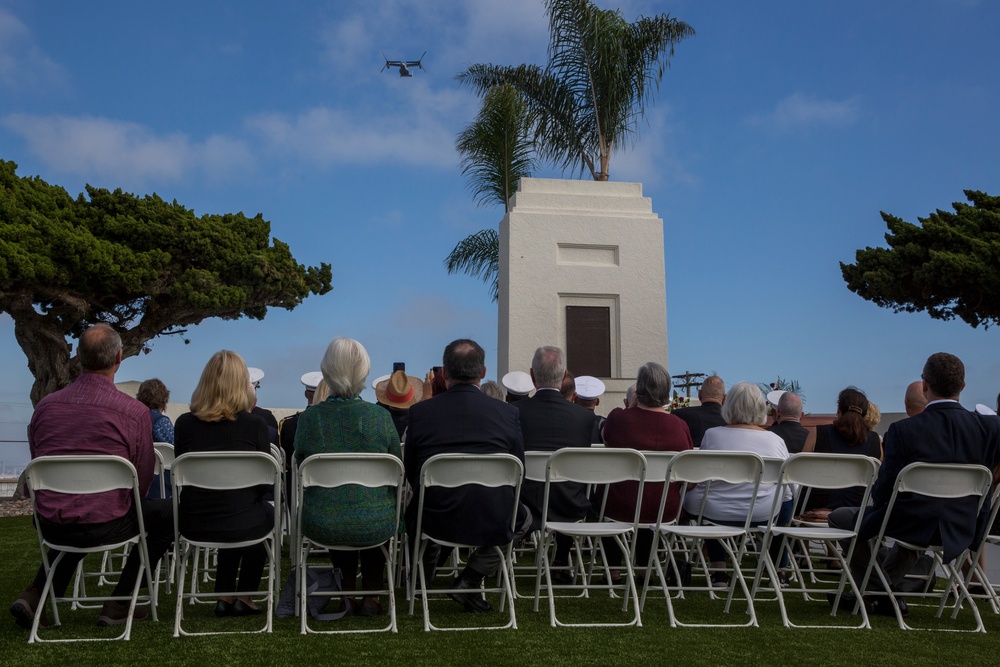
786	424
464	420
549	423
700	418
944	432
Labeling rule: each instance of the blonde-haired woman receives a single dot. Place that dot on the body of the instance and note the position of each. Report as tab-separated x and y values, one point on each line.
220	421
353	515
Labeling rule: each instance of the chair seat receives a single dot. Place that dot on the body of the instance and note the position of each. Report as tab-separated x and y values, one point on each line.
607	528
804	533
703	532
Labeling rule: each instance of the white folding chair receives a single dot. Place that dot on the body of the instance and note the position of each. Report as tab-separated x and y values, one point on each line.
944	481
330	471
225	471
534	471
86	475
600	467
164	460
820	471
705	467
976	575
453	471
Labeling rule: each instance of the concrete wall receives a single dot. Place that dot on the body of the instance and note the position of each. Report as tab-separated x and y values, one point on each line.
568	242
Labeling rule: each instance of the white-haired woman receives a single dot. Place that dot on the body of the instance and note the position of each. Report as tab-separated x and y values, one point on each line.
745	412
352	515
220	421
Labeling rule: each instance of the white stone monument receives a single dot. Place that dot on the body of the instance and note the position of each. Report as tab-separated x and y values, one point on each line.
581	267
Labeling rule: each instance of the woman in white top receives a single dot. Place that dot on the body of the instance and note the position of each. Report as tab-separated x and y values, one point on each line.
745	413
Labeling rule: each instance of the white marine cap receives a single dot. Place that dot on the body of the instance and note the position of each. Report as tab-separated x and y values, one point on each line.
380	378
256	375
774	396
311	380
518	383
589	388
985	409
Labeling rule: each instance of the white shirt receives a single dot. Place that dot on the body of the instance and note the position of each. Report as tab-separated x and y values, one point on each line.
729	502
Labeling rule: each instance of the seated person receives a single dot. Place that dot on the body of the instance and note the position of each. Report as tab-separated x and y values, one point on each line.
349	515
220	421
646	427
745	413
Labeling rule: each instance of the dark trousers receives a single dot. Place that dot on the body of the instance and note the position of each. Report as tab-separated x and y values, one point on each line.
643	545
483	561
158	518
372	567
896	564
247	561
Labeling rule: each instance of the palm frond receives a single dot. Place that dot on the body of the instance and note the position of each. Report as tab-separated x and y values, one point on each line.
497	148
477	255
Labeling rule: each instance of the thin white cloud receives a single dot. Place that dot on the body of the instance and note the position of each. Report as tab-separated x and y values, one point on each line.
328	136
124	152
653	159
799	110
24	67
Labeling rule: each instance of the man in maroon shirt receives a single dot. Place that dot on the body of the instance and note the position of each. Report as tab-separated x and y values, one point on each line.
91	416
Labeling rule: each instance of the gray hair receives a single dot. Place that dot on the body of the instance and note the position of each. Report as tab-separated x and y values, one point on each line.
652	385
549	367
98	348
745	405
492	389
790	405
345	367
630	395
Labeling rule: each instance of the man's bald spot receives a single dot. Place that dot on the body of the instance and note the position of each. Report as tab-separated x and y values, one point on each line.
790	405
713	389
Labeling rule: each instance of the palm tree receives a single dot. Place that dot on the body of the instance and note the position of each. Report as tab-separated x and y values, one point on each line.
496	152
602	71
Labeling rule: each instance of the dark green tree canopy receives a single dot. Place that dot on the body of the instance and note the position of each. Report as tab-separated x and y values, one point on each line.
145	266
948	265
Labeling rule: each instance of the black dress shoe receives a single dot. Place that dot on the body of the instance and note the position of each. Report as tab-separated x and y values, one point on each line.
223	608
473	602
881	605
241	608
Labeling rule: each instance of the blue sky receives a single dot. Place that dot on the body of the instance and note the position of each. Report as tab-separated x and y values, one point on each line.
780	131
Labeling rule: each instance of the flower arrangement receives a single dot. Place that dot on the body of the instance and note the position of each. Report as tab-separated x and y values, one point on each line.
678	402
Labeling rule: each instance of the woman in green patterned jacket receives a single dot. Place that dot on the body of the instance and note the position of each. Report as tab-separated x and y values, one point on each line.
351	515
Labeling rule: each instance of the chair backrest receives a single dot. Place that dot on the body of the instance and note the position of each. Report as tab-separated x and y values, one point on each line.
657	464
80	475
829	471
698	465
595	466
944	480
772	469
534	465
278	455
332	470
454	470
224	471
813	470
166	452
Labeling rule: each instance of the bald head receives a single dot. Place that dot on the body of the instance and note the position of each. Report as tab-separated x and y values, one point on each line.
712	390
789	406
914	401
99	350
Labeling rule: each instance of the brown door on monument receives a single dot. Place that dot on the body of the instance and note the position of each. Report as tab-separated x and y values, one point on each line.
588	340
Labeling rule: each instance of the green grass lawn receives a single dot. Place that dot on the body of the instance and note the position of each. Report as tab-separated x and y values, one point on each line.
533	643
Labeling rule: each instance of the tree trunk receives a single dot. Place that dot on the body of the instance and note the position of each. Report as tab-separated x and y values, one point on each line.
48	357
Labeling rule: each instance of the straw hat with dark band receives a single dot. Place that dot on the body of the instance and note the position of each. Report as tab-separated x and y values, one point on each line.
400	390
